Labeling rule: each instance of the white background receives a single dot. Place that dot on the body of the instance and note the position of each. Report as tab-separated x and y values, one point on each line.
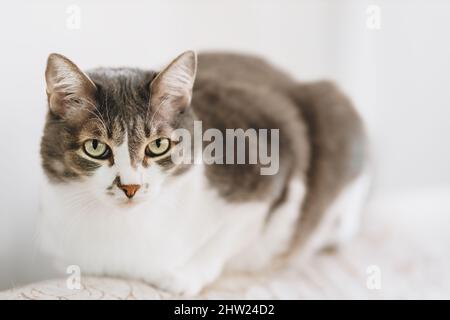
398	76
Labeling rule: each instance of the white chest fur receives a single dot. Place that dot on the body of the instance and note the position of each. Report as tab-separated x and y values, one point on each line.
180	240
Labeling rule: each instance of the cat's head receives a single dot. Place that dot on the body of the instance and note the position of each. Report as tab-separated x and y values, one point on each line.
108	131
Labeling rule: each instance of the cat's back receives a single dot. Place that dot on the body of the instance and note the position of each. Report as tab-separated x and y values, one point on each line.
229	83
226	67
242	91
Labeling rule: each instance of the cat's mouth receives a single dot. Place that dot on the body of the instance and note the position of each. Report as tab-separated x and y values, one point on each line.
122	201
129	203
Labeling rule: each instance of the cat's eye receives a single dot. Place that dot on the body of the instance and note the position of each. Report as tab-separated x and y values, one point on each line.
96	149
157	147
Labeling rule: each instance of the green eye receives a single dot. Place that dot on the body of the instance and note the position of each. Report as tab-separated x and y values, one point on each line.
158	147
96	149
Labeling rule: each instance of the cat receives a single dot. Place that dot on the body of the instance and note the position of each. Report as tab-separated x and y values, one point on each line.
115	202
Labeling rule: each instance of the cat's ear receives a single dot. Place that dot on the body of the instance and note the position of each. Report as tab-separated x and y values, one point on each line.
171	90
69	90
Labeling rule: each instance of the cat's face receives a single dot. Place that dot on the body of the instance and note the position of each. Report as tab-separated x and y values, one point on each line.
108	132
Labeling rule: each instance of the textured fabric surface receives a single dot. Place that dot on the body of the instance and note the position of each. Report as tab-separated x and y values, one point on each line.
405	238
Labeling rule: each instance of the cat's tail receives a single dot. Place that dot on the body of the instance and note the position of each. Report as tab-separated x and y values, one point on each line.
339	156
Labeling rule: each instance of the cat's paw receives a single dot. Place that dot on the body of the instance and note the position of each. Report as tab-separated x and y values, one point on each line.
181	284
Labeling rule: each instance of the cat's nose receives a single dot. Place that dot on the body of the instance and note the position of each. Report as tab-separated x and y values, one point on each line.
130	189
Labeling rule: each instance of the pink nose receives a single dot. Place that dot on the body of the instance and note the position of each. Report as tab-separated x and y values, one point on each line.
129	189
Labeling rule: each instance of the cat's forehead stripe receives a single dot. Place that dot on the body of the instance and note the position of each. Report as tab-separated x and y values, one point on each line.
122	154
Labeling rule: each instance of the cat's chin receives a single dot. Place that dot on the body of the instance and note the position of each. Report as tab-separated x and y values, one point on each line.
129	203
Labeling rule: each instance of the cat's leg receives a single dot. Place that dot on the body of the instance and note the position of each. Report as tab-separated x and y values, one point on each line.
275	233
341	220
346	211
201	269
191	278
209	259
